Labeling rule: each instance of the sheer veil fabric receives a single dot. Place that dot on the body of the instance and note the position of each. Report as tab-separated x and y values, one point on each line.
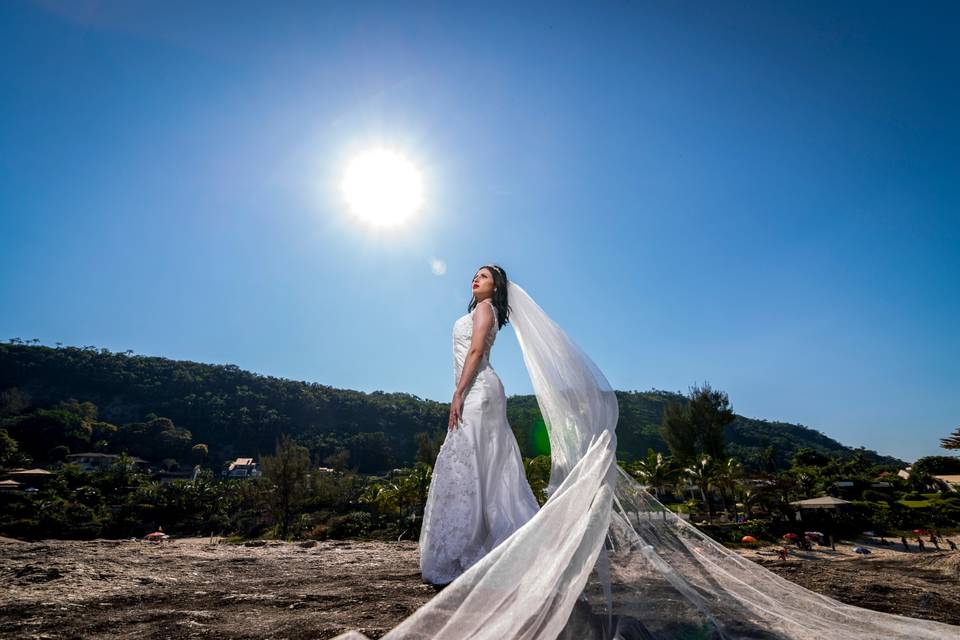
603	559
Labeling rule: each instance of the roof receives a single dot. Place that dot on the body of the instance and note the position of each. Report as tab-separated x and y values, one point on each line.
243	461
30	472
951	479
9	483
91	454
823	502
97	454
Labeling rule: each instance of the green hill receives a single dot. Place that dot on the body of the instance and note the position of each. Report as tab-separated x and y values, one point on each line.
158	408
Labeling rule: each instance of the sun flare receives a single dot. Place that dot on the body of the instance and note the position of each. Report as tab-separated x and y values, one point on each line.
382	187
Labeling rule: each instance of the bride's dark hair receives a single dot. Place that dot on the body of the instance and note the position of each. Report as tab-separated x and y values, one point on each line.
499	294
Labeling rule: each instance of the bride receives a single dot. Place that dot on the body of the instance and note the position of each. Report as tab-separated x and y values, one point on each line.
602	559
479	493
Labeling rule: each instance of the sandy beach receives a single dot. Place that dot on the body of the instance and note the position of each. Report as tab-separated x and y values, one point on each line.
201	588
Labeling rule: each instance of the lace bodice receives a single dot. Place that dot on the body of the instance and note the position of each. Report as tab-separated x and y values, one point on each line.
463	335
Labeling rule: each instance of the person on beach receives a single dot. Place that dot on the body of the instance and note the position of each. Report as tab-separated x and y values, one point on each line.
953	545
903	541
479	494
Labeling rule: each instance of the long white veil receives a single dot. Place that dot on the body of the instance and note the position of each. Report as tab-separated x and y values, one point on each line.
603	559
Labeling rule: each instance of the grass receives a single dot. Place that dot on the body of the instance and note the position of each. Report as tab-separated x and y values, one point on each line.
916	503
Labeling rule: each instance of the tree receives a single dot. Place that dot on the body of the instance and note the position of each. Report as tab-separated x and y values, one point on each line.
8	448
655	471
938	465
286	472
338	460
698	426
952	441
13	401
428	446
199	453
808	457
701	474
767	459
537	471
710	413
726	475
678	432
155	439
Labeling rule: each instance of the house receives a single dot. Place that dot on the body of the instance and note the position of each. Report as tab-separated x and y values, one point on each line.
29	478
30	474
755	483
842	488
242	468
9	486
92	461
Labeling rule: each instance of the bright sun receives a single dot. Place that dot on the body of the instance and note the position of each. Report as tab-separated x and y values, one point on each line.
382	187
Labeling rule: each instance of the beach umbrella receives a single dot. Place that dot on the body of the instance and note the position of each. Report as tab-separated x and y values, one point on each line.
748	540
156	535
816	534
861	550
869	533
919	532
790	536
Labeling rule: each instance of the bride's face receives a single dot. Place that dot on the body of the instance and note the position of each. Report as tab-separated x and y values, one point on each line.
483	284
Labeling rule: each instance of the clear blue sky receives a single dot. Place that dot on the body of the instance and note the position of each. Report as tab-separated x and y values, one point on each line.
765	196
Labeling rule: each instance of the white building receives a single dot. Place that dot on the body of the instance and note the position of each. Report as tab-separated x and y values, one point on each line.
93	461
242	468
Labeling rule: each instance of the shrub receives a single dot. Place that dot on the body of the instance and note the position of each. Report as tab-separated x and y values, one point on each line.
351	525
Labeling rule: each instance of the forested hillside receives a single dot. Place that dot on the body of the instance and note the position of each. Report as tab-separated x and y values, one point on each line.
54	401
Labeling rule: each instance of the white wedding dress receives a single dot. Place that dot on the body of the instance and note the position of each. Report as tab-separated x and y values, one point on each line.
479	493
602	559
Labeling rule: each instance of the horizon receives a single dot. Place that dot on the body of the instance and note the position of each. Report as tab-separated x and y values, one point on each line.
762	197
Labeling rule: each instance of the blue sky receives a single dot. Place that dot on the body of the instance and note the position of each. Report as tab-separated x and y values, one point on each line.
765	196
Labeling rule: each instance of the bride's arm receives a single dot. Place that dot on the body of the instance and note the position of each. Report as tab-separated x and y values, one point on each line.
482	323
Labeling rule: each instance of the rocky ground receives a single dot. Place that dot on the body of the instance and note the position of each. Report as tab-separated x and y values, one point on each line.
200	588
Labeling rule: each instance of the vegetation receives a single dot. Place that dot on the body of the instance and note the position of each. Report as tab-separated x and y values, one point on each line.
952	441
339	463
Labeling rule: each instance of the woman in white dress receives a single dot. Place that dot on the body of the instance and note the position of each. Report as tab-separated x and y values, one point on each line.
602	559
479	494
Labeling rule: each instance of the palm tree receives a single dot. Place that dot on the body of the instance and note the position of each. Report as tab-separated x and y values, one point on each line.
776	498
656	471
952	441
751	496
725	477
806	482
383	496
701	475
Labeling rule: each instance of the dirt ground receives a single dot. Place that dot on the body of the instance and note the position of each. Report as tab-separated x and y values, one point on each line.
889	579
195	588
199	588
